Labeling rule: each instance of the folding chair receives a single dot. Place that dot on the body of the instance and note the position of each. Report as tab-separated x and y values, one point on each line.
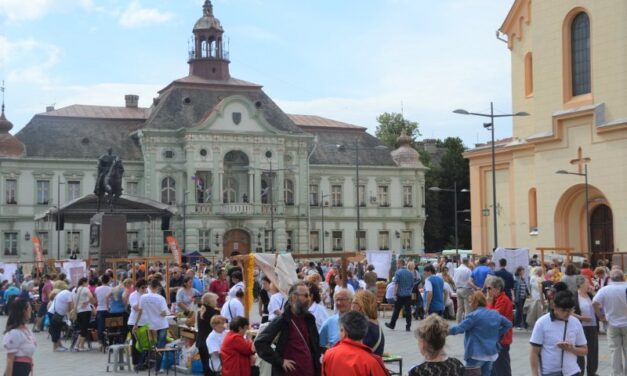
114	331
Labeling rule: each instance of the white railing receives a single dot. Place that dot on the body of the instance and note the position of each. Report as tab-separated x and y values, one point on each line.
203	208
243	208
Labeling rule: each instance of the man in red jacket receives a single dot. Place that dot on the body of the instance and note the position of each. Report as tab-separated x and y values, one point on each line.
350	357
499	301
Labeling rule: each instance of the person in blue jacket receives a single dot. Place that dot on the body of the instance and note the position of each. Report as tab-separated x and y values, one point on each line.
483	330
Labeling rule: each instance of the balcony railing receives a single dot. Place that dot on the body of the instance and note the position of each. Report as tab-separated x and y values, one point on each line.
203	208
237	208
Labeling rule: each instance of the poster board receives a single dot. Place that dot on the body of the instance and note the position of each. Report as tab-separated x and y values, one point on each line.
9	270
73	269
382	261
515	257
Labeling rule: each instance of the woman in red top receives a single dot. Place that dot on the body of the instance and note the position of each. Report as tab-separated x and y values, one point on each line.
237	352
499	301
220	287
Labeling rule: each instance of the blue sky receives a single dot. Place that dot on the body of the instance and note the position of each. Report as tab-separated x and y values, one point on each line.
347	60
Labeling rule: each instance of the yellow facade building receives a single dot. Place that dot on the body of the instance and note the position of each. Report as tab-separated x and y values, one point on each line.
569	72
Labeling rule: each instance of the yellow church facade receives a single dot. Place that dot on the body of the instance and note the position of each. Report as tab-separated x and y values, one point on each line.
569	73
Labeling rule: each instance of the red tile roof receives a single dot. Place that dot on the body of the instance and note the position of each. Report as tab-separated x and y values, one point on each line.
107	112
317	121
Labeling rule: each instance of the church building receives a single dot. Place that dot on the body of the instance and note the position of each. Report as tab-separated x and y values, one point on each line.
242	174
560	179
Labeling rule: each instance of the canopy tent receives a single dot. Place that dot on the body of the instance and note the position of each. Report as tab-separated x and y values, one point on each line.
82	209
195	257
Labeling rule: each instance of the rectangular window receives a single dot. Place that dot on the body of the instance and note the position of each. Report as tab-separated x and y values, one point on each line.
73	242
314	240
10	189
406	240
361	197
289	240
44	238
43	192
382	195
384	240
407	196
313	195
204	240
338	244
268	241
132	188
10	243
132	241
73	190
361	236
336	195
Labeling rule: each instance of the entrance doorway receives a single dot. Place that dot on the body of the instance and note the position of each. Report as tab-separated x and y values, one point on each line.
236	241
602	231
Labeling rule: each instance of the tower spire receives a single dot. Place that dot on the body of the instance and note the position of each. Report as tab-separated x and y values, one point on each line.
5	125
207	9
2	90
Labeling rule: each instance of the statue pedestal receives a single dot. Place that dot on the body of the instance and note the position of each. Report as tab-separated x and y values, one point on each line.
107	238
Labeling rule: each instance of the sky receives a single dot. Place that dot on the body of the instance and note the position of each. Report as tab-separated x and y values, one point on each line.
348	60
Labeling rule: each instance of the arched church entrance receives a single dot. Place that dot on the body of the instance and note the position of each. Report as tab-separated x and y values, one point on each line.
602	231
236	240
570	220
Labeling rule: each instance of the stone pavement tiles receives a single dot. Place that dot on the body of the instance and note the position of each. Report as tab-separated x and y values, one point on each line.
397	342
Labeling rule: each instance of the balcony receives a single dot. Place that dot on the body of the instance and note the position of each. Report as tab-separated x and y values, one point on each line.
237	209
202	208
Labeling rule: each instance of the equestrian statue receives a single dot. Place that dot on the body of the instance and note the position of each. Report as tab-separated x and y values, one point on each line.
109	181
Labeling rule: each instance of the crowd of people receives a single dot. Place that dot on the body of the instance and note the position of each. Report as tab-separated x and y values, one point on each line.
327	323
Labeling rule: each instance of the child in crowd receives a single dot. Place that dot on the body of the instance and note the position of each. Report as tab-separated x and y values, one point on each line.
214	342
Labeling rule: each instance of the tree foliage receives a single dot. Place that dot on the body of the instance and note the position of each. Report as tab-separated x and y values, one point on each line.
391	125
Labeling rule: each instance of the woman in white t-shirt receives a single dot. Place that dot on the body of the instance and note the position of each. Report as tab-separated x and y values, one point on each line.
316	308
84	300
233	307
141	286
19	341
584	311
103	294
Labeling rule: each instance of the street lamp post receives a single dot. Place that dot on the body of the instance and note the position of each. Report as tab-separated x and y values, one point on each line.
322	196
356	149
454	191
59	229
490	125
585	177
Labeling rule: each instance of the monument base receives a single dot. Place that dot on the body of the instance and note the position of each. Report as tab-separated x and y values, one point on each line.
107	239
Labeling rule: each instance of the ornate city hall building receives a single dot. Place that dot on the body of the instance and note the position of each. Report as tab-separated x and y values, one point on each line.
243	175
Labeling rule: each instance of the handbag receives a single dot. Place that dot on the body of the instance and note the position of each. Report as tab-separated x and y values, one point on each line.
56	318
144	340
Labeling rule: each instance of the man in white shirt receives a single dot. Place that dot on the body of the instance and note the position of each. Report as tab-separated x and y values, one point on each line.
557	339
233	307
613	299
62	304
464	289
153	310
277	300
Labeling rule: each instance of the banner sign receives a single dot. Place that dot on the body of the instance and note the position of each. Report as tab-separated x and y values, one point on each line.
173	244
39	255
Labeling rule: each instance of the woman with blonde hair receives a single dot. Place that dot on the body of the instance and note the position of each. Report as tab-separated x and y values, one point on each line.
208	309
431	334
536	302
365	302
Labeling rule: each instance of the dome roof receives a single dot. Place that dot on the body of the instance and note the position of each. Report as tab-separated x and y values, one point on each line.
405	155
208	21
5	125
10	146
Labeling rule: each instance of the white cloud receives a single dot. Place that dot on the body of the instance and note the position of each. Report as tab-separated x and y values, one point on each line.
28	61
136	16
20	10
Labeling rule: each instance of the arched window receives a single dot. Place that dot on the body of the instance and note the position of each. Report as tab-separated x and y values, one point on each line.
533	211
580	54
528	74
168	191
288	191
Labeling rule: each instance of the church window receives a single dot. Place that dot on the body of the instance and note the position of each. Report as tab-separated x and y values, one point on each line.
336	237
336	195
10	191
288	192
528	74
580	54
168	191
533	211
43	192
10	243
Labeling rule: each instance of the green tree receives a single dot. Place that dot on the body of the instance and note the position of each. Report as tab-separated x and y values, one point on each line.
391	125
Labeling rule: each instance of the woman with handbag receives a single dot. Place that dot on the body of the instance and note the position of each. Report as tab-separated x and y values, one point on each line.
83	301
